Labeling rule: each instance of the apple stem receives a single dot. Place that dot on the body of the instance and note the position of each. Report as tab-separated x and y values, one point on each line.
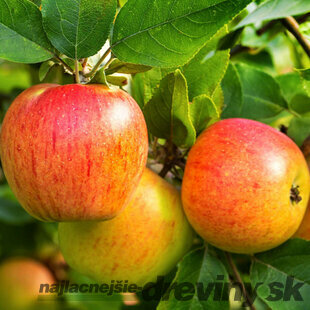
77	72
97	65
239	280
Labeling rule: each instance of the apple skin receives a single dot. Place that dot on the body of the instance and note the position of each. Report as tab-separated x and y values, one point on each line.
303	231
20	280
237	185
73	152
145	241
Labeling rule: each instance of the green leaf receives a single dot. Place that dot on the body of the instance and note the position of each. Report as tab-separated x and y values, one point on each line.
21	33
10	210
199	269
291	85
148	84
229	40
305	74
167	114
78	28
261	93
118	66
45	68
233	96
275	9
287	266
169	33
299	129
206	70
203	112
117	80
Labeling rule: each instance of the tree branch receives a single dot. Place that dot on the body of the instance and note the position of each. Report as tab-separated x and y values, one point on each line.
293	27
239	280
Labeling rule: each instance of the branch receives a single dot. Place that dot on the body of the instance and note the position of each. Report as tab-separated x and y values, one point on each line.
293	27
239	280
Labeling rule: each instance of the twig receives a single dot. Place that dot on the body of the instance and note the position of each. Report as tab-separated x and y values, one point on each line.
97	65
239	280
64	64
266	27
293	27
108	62
165	169
239	49
77	72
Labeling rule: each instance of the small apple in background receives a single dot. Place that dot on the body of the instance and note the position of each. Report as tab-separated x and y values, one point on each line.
245	187
145	241
73	152
20	280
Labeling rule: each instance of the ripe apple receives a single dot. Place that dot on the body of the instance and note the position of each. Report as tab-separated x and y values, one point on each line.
73	152
303	231
20	280
145	241
245	187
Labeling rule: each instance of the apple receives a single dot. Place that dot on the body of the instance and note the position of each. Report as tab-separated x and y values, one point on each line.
145	241
73	152
20	280
245	187
303	231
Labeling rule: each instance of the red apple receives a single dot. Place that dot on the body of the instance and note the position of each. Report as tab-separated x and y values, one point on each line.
73	152
20	280
145	241
245	186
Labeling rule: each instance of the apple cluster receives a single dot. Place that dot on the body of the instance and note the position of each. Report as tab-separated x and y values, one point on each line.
76	154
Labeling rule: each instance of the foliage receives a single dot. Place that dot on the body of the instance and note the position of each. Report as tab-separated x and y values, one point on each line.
189	64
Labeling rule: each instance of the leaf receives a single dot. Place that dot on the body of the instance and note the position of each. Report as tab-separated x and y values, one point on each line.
299	129
167	114
125	67
229	40
291	85
279	270
199	270
117	80
45	68
206	70
21	33
203	112
78	28
165	33
275	9
10	210
305	74
148	84
233	96
261	93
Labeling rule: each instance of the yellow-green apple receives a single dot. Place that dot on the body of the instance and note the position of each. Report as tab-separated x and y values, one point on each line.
145	241
20	280
304	228
73	152
245	187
